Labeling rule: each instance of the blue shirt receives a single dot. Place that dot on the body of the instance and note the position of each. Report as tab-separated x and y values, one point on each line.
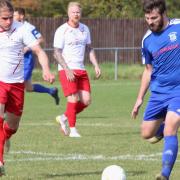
29	61
162	51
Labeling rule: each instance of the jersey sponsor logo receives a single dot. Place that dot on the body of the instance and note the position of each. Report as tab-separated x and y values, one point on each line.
165	49
173	36
77	42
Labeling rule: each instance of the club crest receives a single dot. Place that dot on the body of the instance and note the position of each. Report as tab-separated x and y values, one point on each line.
172	36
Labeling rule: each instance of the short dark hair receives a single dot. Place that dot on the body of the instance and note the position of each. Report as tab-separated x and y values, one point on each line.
6	4
20	10
149	5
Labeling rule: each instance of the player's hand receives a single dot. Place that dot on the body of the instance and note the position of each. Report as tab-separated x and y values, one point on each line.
26	49
48	76
136	108
97	71
70	74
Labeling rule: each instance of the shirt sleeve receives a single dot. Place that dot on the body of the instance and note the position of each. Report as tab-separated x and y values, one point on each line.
146	56
88	36
28	37
59	38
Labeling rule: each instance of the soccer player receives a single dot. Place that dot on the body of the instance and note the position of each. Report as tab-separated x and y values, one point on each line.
14	36
70	41
29	61
161	56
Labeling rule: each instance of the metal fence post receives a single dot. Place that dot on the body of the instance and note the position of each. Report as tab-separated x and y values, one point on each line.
115	50
116	65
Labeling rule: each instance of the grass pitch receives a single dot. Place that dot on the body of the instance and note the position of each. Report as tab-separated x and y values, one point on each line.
109	136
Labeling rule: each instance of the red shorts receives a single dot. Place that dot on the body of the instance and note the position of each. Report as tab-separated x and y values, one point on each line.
81	82
12	95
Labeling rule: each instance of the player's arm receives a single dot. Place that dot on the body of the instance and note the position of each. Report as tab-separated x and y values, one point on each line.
146	77
60	60
92	57
43	60
40	40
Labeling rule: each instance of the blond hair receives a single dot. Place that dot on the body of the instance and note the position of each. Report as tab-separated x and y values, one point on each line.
74	4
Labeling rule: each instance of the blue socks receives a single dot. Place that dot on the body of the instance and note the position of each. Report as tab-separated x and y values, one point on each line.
42	89
169	154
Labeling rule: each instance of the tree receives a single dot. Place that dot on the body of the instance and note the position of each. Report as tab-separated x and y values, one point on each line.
112	8
52	8
93	8
173	8
27	4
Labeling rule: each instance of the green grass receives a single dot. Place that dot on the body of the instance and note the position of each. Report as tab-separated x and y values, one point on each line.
109	136
124	71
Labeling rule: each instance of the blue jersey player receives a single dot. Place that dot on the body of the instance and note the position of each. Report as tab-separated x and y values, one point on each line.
29	61
161	56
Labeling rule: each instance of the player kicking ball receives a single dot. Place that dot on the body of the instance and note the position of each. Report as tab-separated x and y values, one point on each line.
161	56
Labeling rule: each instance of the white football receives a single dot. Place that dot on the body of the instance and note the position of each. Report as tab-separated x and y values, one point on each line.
113	172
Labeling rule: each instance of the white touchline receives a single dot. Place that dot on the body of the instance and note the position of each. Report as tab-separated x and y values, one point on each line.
82	124
43	156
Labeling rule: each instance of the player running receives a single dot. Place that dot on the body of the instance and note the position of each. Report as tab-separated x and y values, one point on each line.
29	61
14	36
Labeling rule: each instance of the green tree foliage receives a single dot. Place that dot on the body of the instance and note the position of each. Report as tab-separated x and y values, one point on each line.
173	8
93	8
52	8
111	8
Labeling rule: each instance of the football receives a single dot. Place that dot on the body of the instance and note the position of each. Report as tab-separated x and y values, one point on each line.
113	172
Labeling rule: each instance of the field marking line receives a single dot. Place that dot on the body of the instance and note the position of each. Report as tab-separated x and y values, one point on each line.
43	156
79	124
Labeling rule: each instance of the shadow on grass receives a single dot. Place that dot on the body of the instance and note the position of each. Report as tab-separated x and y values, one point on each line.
135	173
129	173
72	174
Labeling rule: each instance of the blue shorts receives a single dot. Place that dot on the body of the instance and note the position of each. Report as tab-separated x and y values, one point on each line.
159	104
28	65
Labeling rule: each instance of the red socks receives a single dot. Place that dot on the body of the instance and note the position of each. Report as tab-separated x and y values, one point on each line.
80	107
7	131
2	140
71	113
71	110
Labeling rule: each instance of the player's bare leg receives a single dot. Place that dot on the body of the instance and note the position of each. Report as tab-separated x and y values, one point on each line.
149	130
2	140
